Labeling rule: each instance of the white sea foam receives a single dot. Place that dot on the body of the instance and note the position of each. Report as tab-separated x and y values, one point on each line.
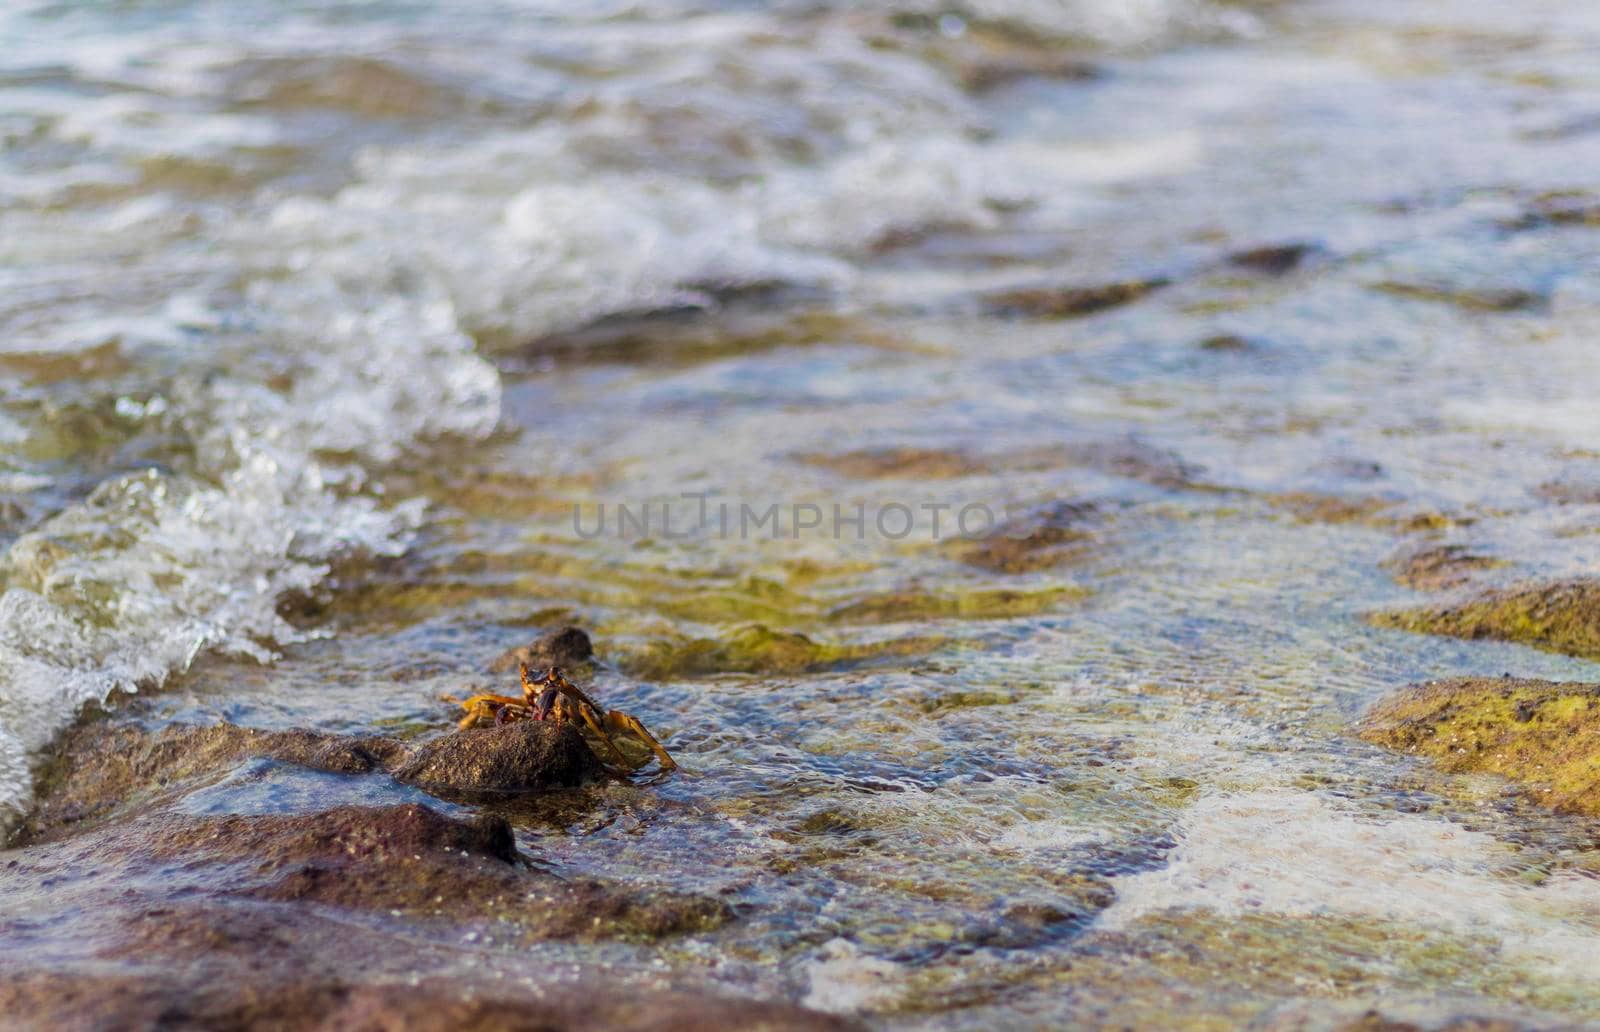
347	321
843	980
1117	23
1293	853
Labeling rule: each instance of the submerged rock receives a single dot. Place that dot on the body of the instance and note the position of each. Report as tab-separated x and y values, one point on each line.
91	998
1067	302
1439	567
567	647
1560	617
955	604
1476	299
1569	492
1273	259
1370	511
1545	735
757	649
1046	536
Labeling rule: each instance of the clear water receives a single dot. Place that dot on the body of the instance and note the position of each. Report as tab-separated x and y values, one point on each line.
296	401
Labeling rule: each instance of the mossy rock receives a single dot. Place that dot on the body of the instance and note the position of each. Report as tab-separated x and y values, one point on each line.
1560	617
758	649
1544	735
103	770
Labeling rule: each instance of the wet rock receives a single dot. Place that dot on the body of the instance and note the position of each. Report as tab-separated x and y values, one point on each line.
87	998
102	770
1560	617
99	768
566	647
1067	302
1439	567
245	921
1476	299
1046	536
498	761
587	1009
756	648
1273	259
1544	735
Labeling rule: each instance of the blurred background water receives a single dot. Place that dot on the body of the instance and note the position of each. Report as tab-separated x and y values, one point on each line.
318	319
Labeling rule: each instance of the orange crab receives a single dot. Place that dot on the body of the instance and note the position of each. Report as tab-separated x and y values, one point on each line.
553	697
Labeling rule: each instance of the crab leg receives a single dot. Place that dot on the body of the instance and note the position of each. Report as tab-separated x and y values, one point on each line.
481	707
591	719
617	720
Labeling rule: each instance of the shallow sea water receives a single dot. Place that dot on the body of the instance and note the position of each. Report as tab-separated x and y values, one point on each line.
318	320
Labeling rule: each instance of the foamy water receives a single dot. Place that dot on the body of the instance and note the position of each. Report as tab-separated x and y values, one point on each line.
273	284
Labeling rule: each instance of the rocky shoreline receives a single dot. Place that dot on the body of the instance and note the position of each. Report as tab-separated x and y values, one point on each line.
130	906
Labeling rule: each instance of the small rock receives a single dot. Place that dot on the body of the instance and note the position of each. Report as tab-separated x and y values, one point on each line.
567	647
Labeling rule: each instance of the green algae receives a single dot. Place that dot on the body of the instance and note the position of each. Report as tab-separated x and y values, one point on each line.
1563	616
1544	735
959	604
758	649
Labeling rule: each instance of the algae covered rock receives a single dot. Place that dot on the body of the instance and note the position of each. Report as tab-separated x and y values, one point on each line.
1559	617
1545	735
758	649
511	759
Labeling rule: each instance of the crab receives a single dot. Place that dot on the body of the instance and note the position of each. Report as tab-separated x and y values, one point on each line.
553	697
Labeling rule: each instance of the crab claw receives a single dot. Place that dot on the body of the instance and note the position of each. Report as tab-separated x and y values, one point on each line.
542	705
